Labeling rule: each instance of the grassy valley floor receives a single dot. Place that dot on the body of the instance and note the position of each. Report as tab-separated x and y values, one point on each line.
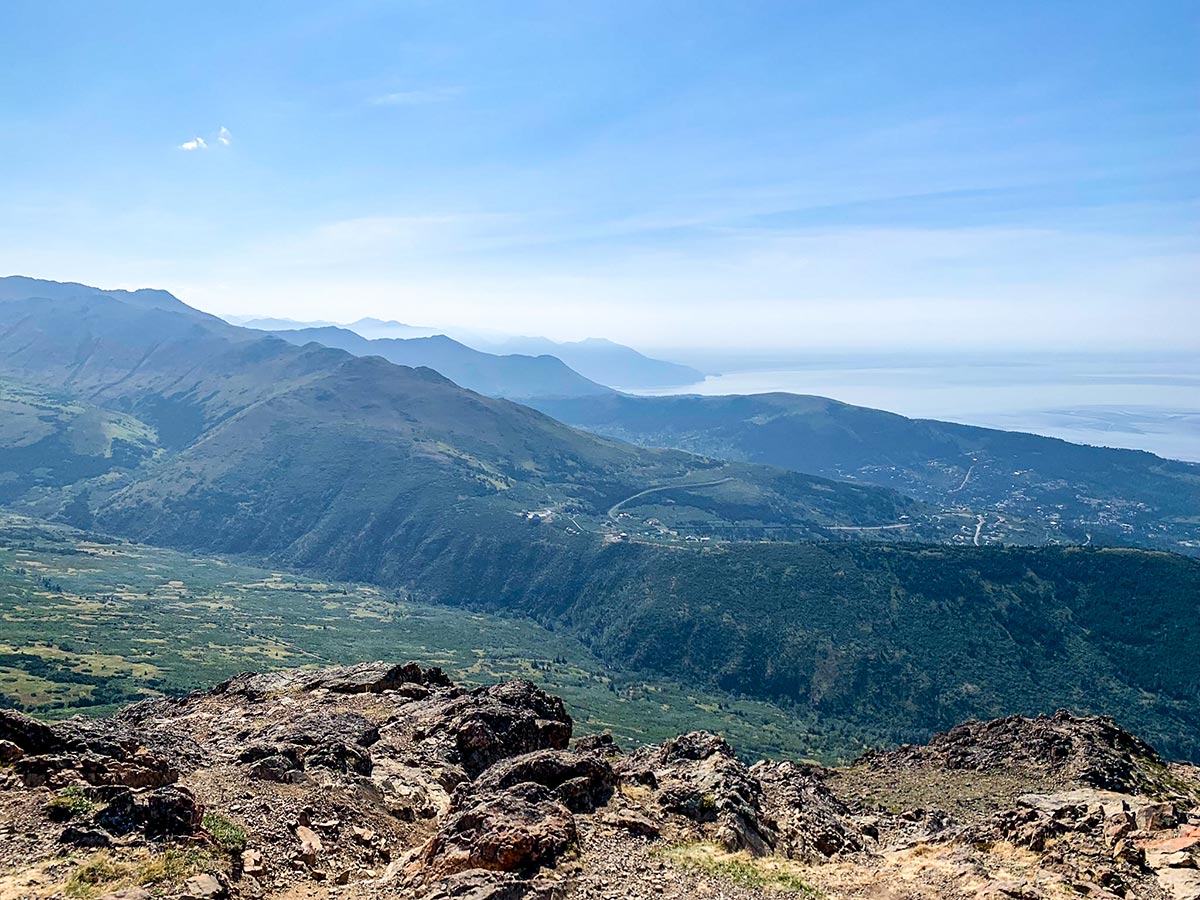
88	625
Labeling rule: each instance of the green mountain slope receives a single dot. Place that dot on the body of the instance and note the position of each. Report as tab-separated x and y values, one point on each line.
514	376
88	625
280	443
367	464
48	441
1085	493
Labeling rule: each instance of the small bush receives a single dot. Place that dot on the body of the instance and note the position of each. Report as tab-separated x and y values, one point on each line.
69	803
225	834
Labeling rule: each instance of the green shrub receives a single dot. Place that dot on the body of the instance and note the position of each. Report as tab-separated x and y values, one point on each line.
227	835
69	803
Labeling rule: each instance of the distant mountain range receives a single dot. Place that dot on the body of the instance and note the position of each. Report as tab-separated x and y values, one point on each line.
270	323
603	361
510	376
369	328
132	414
596	359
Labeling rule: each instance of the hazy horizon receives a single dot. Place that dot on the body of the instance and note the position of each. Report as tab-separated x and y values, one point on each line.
866	176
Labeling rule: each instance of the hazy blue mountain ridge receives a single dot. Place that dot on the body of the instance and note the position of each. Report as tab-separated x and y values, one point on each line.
606	362
513	376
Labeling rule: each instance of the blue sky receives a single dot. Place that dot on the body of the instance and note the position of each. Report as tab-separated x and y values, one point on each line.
779	175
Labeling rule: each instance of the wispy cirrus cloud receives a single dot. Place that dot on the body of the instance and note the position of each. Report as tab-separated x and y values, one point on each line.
419	97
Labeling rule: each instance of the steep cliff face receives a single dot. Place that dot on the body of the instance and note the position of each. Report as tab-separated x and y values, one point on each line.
383	780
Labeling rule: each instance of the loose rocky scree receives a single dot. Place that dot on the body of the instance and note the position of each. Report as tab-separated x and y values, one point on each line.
381	781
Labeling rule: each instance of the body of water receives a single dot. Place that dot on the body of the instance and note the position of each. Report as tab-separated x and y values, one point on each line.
1141	403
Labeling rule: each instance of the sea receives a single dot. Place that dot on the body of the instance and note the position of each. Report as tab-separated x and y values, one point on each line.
1136	401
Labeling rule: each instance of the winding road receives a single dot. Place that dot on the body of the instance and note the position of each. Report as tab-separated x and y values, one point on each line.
612	510
870	527
966	478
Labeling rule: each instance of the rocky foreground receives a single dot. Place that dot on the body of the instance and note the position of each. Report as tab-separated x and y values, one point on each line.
381	781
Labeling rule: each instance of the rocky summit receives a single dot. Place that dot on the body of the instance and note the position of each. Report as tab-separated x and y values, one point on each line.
385	781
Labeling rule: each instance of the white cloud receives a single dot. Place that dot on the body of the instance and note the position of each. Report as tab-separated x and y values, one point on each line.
416	98
224	138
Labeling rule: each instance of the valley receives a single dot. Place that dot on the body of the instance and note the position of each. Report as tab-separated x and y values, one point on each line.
88	624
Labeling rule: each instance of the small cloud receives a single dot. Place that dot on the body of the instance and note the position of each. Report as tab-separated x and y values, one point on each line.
416	98
223	137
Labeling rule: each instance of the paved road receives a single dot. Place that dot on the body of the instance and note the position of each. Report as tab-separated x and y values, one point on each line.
966	478
612	511
870	527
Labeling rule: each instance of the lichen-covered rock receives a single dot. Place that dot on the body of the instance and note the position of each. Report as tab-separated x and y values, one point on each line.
171	811
811	821
205	886
517	830
379	781
699	777
376	677
1093	750
477	884
28	734
580	781
338	756
478	728
602	744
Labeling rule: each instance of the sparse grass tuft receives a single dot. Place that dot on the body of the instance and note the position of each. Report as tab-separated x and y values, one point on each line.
102	872
172	865
97	872
69	803
227	835
739	869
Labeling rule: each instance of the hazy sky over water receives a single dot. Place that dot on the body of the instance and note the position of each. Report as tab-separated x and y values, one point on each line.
792	174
